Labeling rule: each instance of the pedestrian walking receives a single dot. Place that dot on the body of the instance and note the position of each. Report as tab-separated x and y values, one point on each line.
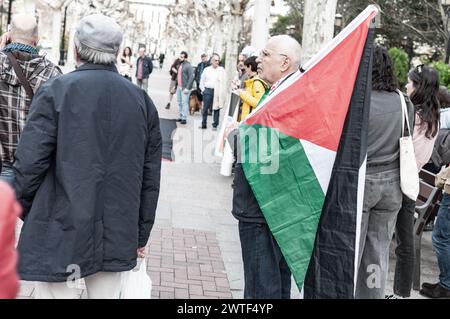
22	72
185	81
212	85
144	67
87	172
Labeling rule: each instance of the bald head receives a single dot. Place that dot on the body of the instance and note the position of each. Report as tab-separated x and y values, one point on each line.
287	45
280	57
24	29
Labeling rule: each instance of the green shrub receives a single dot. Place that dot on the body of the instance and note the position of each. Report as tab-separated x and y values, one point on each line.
444	72
401	65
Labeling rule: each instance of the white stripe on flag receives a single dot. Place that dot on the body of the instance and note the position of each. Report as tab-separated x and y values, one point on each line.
359	212
322	162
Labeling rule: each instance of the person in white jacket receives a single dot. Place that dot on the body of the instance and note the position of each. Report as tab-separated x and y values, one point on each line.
212	85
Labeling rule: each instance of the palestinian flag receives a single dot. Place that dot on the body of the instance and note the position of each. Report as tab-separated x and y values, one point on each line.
303	153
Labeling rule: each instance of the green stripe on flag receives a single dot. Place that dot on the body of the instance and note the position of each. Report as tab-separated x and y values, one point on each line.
290	198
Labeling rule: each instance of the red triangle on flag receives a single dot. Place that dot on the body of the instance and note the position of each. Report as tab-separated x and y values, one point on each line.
315	106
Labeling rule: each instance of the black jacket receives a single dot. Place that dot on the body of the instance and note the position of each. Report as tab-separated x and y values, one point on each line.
87	175
147	67
441	151
245	205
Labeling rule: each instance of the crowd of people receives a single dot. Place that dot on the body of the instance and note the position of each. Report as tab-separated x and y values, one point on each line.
77	160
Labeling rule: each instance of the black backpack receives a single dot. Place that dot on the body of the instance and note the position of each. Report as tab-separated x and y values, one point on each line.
441	150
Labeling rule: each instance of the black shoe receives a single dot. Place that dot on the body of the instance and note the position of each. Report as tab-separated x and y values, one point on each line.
428	285
168	106
202	127
179	120
436	292
183	122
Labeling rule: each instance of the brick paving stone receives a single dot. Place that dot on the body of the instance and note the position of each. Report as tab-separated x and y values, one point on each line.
209	286
166	295
218	266
214	274
222	282
206	267
196	290
193	270
163	288
174	285
202	297
202	278
167	277
180	274
218	294
181	293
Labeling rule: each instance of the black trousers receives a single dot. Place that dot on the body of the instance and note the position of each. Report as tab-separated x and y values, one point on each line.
266	273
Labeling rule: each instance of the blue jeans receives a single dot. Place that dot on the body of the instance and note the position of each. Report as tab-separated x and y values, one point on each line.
441	241
266	273
183	103
7	174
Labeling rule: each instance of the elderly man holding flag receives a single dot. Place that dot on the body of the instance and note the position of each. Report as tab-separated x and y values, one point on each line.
300	181
265	270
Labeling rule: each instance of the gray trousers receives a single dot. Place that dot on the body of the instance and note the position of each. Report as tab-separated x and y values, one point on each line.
143	84
382	202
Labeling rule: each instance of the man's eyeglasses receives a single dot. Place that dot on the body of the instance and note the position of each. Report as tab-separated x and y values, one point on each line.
265	54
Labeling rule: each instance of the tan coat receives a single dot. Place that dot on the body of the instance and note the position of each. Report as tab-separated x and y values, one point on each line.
443	179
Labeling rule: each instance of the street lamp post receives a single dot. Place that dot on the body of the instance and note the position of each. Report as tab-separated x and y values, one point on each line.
446	6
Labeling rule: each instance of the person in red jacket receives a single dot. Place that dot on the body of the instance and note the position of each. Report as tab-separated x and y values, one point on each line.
9	211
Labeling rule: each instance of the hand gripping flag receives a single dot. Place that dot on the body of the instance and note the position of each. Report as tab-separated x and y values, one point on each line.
304	152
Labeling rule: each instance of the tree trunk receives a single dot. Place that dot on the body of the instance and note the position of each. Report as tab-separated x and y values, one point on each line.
232	46
56	34
318	26
217	39
260	25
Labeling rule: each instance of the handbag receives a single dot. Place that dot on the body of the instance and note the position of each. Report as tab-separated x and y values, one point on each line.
409	177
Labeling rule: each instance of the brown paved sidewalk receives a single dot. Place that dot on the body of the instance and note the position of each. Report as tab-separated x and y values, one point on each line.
186	264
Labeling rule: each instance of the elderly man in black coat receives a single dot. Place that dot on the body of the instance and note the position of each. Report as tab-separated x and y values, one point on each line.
87	172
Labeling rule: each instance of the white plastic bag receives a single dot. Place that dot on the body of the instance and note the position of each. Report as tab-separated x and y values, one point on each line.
136	284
